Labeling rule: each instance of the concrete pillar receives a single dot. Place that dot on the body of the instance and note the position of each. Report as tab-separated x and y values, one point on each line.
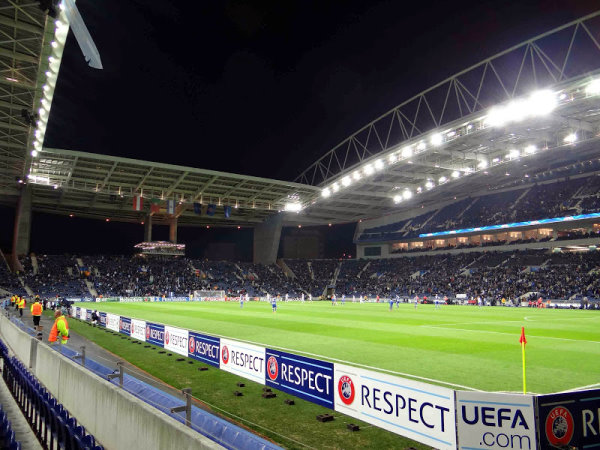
173	230
266	240
148	229
22	228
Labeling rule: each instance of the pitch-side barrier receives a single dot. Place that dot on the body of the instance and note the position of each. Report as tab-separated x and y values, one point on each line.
437	416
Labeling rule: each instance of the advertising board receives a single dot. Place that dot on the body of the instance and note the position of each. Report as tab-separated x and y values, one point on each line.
204	348
176	340
570	419
112	322
138	329
245	360
495	421
155	334
307	378
419	411
125	325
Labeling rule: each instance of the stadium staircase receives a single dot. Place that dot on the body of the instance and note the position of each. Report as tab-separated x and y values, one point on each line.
27	288
91	289
34	265
336	273
462	213
286	269
516	202
310	270
363	269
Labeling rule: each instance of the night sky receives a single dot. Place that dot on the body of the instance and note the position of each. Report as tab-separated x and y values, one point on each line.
265	88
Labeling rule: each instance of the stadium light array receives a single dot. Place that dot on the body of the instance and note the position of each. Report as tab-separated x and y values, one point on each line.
539	103
429	185
437	140
593	87
397	198
293	207
61	30
570	138
407	194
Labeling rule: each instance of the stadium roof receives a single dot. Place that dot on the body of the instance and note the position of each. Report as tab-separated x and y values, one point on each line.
519	112
25	40
441	143
102	186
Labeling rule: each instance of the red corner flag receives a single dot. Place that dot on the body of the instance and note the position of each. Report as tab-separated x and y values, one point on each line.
522	339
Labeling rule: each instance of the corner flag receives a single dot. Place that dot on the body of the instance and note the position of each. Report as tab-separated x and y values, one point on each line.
523	341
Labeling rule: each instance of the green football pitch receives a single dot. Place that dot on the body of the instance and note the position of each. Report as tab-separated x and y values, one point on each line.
461	347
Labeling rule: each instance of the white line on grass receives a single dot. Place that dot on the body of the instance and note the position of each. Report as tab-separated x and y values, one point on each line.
510	334
536	319
580	388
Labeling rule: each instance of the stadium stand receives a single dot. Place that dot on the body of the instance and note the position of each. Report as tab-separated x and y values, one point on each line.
492	273
546	199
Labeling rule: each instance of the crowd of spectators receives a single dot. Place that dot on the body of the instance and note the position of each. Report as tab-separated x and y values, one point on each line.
491	275
557	198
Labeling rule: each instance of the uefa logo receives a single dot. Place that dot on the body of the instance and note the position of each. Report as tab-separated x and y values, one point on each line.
167	338
346	390
272	368
192	344
559	427
225	354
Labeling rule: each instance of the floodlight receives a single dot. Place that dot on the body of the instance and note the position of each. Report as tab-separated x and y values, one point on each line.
437	140
397	198
419	190
542	102
335	187
369	169
593	88
513	153
356	175
496	160
429	184
421	146
496	117
407	194
482	164
392	158
379	164
407	152
517	110
54	44
442	179
34	153
293	207
571	138
530	149
455	174
346	181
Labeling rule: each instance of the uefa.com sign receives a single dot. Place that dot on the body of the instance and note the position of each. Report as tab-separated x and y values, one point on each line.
439	417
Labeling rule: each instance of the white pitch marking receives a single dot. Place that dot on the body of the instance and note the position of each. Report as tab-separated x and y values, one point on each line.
580	388
511	334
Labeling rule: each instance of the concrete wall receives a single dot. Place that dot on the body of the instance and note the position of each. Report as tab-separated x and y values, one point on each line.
117	419
266	240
